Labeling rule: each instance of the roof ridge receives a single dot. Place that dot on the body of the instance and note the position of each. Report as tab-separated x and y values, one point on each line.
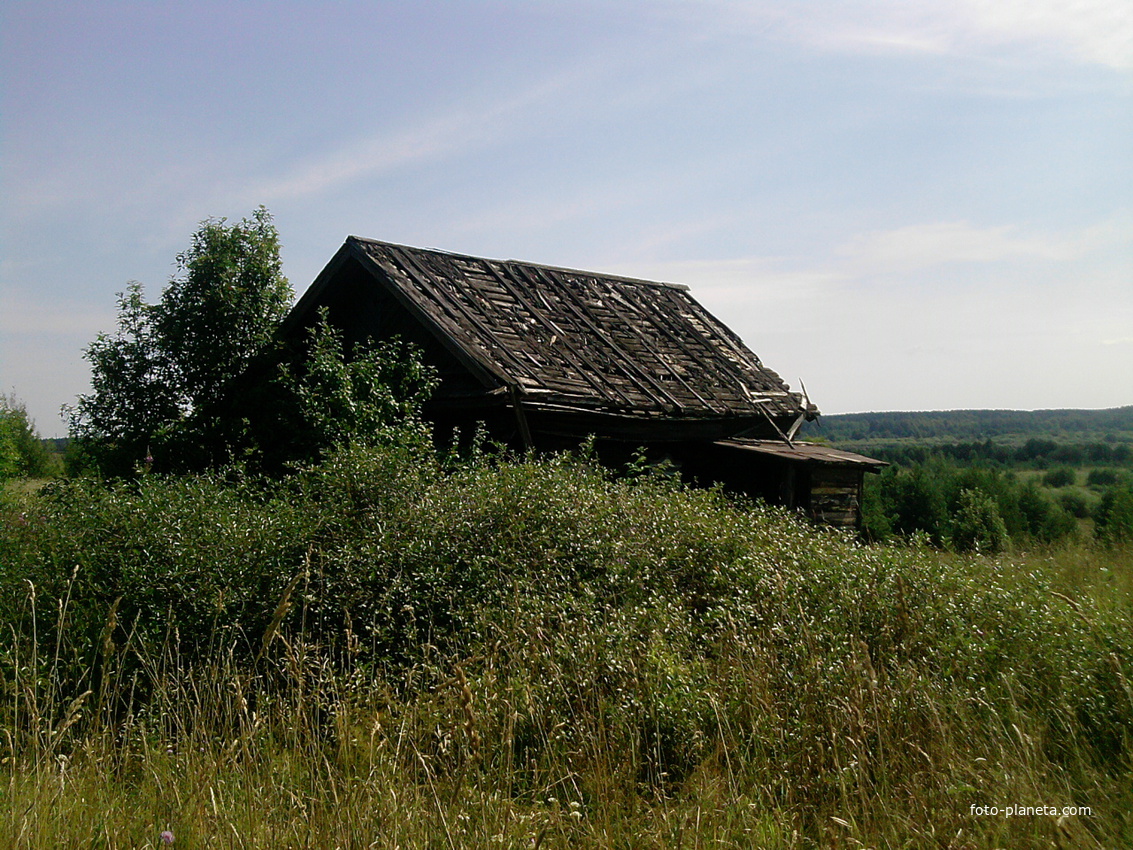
683	287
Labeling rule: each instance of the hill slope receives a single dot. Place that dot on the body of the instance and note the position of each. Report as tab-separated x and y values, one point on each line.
1114	424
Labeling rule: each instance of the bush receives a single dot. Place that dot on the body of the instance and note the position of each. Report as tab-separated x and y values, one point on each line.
1102	477
917	502
22	453
977	526
1044	520
1075	503
1114	517
929	499
546	630
1061	477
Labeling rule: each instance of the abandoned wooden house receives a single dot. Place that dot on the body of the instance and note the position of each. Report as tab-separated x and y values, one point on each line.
547	357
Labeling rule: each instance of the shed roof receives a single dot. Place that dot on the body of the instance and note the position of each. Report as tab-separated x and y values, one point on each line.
804	452
568	339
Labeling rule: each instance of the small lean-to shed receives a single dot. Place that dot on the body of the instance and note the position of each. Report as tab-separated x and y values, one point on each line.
546	357
821	482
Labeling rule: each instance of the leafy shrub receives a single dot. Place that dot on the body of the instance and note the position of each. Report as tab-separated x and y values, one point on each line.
1044	520
929	499
917	502
1061	477
595	634
1101	477
22	454
1075	503
1114	517
977	526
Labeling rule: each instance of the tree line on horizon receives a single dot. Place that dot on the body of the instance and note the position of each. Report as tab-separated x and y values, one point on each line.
1107	425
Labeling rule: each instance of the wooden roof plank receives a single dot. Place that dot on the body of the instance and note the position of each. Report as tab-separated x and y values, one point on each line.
604	389
625	363
453	305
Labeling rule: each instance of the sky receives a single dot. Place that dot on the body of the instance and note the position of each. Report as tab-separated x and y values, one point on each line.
900	204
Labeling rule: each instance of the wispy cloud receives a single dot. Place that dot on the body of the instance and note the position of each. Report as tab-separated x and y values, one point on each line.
25	314
1098	31
739	282
910	252
919	246
1092	31
446	133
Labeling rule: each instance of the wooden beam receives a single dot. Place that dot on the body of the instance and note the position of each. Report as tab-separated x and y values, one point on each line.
520	418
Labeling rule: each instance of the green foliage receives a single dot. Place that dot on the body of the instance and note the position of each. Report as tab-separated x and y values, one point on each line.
1044	519
200	381
1061	477
133	393
876	525
1075	503
155	379
966	505
977	525
22	453
1017	439
223	307
915	501
1102	477
963	425
371	396
10	428
487	636
1114	517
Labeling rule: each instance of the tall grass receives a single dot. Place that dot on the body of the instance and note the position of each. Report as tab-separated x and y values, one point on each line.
382	652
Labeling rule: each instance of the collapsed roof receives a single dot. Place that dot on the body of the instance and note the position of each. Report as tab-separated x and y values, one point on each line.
558	340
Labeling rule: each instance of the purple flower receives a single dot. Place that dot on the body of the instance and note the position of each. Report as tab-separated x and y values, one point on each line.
167	837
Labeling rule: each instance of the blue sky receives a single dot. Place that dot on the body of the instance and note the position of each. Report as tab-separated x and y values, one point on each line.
905	204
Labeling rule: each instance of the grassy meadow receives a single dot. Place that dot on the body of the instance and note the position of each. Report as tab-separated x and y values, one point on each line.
389	651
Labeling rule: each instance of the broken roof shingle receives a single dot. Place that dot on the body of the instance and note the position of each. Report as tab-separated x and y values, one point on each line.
576	339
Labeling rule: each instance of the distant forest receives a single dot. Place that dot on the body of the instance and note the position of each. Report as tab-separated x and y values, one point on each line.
1035	438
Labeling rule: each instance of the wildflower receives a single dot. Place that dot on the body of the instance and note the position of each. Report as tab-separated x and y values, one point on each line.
167	837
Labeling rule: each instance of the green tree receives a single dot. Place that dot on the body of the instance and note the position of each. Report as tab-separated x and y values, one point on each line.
918	501
1114	517
1044	520
316	396
133	391
155	379
223	307
22	453
9	456
201	378
1061	477
977	525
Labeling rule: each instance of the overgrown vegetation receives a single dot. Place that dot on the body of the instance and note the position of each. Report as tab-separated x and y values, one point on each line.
388	649
992	479
22	453
158	380
203	380
947	503
277	617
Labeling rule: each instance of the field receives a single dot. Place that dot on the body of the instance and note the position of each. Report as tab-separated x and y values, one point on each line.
391	651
